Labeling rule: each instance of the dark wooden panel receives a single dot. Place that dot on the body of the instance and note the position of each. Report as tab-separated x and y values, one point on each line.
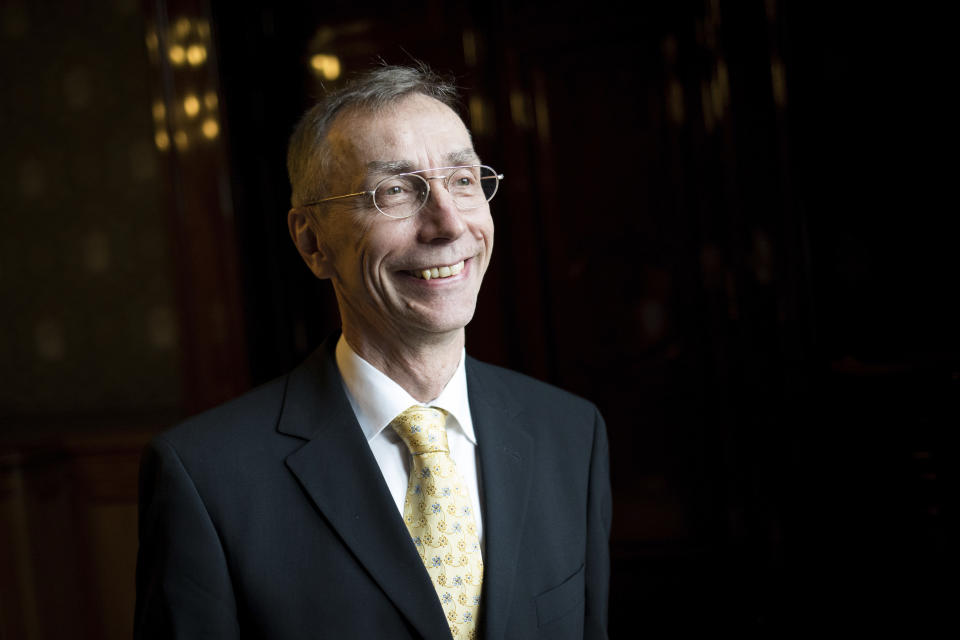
68	504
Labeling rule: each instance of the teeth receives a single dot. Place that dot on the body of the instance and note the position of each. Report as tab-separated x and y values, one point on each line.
439	272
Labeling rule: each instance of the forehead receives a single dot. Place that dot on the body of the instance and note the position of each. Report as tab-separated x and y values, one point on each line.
416	132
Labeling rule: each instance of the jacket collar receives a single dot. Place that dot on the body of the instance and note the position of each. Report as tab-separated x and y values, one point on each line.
506	461
338	471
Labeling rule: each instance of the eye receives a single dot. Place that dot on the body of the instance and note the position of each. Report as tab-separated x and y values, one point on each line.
397	187
400	196
462	181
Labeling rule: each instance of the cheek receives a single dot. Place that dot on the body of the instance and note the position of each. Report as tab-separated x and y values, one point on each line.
384	240
484	233
357	242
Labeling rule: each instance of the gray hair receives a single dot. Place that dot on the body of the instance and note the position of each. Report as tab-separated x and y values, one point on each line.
308	155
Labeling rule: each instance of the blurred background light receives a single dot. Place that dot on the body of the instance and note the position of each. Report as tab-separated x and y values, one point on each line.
177	55
162	140
327	66
182	27
191	105
196	54
210	128
181	139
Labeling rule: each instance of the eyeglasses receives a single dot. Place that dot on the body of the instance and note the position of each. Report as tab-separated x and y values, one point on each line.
404	194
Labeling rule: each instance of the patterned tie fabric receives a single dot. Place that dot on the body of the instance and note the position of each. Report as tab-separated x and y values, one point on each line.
438	512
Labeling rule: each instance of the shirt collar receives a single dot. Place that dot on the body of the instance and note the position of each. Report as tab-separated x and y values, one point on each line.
377	400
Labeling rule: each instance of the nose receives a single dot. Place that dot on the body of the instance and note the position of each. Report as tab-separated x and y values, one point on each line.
440	218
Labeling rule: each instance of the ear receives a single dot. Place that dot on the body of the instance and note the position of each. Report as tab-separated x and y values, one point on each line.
306	237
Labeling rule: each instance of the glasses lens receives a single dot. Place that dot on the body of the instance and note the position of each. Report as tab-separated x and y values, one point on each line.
464	185
472	186
489	181
400	196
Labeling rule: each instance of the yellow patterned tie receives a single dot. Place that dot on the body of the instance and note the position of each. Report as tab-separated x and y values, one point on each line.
439	515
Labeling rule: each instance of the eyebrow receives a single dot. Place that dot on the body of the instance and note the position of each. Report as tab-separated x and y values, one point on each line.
463	156
388	167
391	167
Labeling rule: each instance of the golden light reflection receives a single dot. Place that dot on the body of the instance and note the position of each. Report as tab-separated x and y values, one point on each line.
192	117
478	115
177	55
325	65
152	40
162	140
191	105
723	79
518	109
182	27
542	111
469	48
778	78
715	96
196	54
210	128
181	139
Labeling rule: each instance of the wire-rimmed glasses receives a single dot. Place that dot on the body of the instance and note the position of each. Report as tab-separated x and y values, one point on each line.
404	194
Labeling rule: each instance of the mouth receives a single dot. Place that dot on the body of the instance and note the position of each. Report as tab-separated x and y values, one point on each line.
438	272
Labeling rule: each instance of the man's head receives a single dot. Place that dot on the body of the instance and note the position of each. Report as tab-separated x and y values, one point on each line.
309	157
390	121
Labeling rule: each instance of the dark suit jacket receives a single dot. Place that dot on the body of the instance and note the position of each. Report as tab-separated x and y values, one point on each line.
268	517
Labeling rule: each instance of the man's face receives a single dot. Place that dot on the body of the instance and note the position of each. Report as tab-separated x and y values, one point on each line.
371	257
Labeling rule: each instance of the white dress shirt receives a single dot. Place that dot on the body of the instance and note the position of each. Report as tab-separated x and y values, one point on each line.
377	400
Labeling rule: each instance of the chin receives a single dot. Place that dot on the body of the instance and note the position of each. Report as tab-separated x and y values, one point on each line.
446	323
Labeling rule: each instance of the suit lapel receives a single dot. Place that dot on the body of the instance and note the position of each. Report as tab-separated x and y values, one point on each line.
506	459
338	471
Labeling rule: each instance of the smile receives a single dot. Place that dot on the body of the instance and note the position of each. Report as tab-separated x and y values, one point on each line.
438	272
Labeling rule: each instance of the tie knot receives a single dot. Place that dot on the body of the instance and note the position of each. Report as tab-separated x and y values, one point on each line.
423	429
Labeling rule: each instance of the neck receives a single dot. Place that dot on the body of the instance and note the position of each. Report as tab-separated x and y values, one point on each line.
421	366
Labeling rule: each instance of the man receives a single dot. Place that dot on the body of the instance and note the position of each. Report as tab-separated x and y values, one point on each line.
390	486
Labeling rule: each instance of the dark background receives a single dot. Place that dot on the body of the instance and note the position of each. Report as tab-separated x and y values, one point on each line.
724	223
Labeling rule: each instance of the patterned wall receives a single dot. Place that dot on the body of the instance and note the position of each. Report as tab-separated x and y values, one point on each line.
88	323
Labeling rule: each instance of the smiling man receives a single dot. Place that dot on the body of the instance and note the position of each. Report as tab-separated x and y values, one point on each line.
390	486
407	270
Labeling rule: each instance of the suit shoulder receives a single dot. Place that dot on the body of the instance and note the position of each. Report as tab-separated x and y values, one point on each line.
530	391
256	411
